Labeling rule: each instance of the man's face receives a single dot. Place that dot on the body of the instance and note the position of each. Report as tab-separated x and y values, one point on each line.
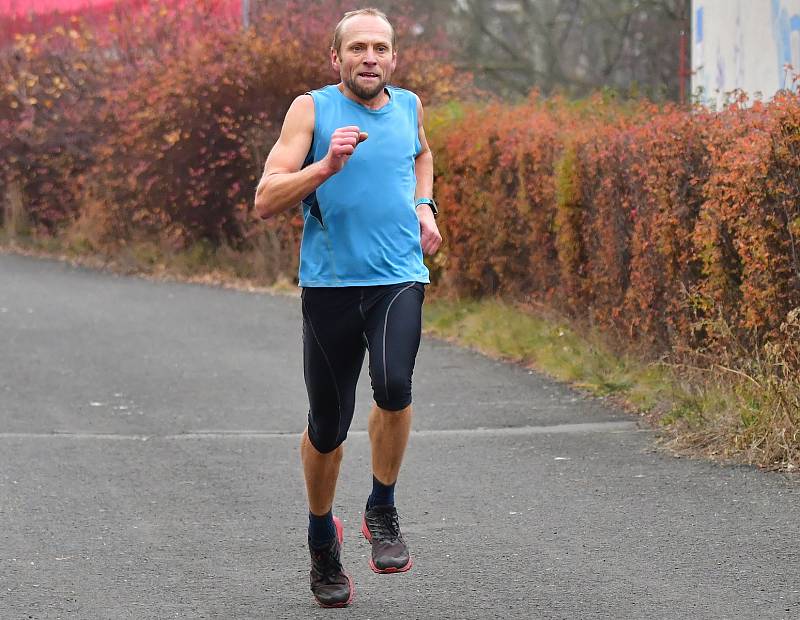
366	59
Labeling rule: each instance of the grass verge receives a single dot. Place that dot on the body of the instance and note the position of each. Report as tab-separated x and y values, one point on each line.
250	269
748	416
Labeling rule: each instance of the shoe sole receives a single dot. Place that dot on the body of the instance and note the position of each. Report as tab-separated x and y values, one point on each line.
340	536
383	571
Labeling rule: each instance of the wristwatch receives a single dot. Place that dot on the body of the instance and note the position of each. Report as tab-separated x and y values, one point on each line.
430	202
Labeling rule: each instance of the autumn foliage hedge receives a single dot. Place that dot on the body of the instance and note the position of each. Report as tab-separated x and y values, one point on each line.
670	228
159	124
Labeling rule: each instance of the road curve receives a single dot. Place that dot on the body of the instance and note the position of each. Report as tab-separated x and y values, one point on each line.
149	469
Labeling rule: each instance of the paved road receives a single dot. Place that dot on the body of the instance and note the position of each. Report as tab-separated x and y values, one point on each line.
149	469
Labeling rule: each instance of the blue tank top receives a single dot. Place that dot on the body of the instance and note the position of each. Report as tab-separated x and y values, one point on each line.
360	226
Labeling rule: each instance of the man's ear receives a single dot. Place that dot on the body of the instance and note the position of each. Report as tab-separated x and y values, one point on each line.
334	60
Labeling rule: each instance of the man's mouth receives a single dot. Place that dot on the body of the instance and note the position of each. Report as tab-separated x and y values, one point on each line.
367	74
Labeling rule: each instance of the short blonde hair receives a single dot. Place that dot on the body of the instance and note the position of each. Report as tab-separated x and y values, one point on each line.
337	33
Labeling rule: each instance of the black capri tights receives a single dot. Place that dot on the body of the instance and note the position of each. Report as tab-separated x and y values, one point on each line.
339	324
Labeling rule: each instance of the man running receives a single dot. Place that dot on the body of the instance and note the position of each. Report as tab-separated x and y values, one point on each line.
355	154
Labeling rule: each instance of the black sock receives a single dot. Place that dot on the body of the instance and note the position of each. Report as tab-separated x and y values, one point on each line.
382	494
321	530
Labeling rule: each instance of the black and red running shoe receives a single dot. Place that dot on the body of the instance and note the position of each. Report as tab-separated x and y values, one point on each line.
330	585
381	527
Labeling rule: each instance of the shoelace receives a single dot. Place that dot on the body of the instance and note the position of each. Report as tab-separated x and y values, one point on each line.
327	563
385	526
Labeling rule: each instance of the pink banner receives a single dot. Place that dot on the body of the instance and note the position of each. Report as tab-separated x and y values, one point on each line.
27	7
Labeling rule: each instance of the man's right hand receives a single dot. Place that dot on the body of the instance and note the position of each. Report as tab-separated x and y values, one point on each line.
285	182
343	144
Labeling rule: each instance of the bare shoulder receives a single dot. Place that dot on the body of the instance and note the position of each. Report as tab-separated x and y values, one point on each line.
300	115
289	152
419	107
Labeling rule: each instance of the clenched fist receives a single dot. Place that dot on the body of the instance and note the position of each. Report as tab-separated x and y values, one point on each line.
343	144
430	237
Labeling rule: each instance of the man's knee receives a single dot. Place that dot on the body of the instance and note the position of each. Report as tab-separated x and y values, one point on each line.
324	437
325	443
396	398
395	394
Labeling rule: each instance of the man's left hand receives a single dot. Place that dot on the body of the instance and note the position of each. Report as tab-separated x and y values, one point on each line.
430	237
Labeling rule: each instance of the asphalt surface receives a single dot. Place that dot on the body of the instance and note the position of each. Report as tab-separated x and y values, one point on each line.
149	468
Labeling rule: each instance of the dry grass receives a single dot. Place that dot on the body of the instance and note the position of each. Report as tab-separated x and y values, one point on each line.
250	269
750	407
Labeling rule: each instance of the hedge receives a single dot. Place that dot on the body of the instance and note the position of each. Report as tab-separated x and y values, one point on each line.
669	228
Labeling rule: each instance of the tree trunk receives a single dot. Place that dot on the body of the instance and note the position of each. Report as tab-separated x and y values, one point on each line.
13	210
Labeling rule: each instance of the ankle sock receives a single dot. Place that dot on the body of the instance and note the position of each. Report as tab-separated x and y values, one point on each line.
321	530
382	494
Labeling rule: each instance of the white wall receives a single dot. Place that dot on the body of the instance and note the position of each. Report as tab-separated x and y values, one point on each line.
744	44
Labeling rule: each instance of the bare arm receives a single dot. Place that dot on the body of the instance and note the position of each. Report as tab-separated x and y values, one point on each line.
424	168
283	184
430	236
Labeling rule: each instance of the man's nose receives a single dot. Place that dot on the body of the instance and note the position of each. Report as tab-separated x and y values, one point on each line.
370	57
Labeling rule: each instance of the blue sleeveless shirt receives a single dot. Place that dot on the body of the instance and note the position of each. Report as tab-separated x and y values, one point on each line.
360	226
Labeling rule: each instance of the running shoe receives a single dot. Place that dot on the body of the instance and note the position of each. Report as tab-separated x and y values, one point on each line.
330	585
381	527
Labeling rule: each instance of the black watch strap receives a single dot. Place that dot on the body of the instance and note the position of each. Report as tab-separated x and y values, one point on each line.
427	201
